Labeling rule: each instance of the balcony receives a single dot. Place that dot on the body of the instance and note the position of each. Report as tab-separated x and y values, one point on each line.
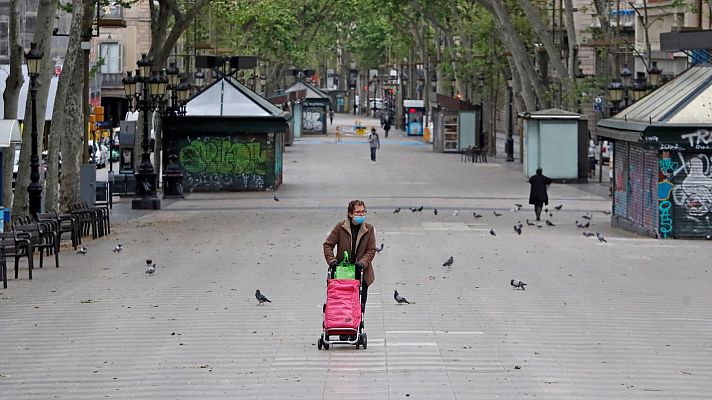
112	81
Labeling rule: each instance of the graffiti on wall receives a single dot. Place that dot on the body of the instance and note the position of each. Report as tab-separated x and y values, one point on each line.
223	163
685	184
313	119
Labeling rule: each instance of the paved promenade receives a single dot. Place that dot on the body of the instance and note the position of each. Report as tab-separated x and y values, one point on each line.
627	319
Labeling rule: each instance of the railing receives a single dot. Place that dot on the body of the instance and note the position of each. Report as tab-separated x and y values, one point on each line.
112	80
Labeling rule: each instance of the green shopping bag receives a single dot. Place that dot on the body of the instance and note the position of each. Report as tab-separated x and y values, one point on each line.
345	270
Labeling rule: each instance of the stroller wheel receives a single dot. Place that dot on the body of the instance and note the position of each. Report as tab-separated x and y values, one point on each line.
364	340
323	309
320	343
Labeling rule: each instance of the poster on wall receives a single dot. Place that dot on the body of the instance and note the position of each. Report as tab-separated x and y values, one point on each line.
313	117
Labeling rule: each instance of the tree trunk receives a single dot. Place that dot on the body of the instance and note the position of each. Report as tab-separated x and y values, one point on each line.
11	96
532	88
46	11
552	51
571	35
60	130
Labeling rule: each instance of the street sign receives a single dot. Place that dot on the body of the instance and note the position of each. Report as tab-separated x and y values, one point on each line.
598	104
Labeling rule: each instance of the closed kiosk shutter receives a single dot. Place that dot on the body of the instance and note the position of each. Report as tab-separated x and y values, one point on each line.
692	195
620	176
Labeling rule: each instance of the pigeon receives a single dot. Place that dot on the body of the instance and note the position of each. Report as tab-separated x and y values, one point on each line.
587	224
474	214
518	229
400	299
546	210
606	212
118	248
539	226
149	261
260	297
492	232
588	234
517	205
588	217
456	213
435	211
496	214
151	269
551	215
379	249
549	223
530	223
516	208
419	209
518	284
396	211
579	225
275	198
449	262
520	224
559	206
82	250
601	238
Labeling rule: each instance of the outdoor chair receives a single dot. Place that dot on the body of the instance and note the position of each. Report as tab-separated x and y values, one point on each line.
12	246
465	154
3	268
41	238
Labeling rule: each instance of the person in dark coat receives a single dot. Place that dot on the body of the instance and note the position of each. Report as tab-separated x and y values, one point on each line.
537	194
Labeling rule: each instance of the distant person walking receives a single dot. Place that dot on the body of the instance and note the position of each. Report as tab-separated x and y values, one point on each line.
331	117
374	143
387	126
537	194
591	159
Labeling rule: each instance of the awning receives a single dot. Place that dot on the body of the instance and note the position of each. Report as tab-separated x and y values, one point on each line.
22	100
9	132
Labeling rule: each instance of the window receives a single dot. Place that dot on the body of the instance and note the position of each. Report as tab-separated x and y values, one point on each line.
111	53
111	11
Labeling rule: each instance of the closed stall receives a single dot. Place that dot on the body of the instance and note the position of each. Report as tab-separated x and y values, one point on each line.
231	139
662	157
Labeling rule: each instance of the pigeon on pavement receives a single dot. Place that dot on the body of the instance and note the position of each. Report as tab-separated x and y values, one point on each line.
151	269
587	224
474	214
518	229
456	213
606	212
517	205
559	206
530	223
149	261
118	248
435	211
588	234
379	249
496	214
260	297
492	232
400	299
82	250
420	208
396	211
539	226
518	284
449	262
549	223
275	198
586	216
601	238
579	225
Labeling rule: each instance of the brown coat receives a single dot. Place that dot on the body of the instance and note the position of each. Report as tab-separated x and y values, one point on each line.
340	237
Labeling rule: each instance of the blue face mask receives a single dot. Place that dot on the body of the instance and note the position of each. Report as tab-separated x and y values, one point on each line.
359	219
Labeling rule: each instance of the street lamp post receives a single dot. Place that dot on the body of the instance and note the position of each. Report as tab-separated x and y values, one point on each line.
615	93
452	87
654	74
481	79
626	74
34	189
153	88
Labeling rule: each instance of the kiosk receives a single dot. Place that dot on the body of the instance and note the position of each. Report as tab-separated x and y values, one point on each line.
413	111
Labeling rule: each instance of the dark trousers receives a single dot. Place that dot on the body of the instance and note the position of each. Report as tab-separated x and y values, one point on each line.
537	210
373	153
387	132
364	294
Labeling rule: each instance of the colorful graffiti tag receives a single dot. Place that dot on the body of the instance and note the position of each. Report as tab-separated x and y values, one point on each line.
223	163
685	184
